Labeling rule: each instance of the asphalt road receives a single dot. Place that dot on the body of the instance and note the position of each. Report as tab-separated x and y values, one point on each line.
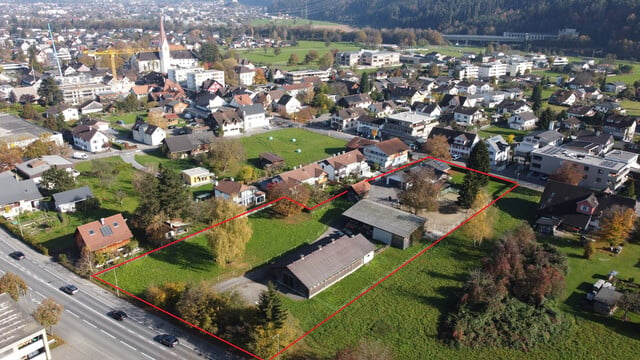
85	327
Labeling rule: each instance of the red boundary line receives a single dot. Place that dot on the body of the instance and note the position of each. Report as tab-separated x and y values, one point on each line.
95	276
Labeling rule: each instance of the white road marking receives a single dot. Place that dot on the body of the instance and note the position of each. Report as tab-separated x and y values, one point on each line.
147	356
39	293
88	323
72	313
129	346
106	333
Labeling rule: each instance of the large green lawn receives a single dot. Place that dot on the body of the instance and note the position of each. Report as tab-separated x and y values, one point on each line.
504	131
292	22
191	261
313	146
404	311
59	236
259	56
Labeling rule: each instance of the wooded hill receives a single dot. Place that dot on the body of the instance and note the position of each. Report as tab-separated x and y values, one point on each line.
606	23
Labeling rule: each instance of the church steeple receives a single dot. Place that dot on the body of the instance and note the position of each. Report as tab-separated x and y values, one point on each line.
165	55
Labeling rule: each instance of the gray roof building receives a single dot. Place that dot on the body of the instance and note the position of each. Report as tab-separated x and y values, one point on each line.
388	225
14	190
35	167
72	196
17	328
326	265
18	132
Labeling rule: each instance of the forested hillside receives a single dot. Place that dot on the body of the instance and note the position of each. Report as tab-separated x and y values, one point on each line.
610	23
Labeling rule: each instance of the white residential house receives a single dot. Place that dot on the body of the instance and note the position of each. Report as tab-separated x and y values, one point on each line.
498	150
253	116
67	201
288	104
523	121
245	75
148	134
467	115
245	195
89	139
90	107
340	166
387	154
18	196
69	113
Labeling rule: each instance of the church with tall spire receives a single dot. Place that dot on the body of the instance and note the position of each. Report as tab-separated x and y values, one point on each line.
165	58
165	52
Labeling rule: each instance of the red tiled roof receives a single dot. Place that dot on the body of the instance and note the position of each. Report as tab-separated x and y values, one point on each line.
101	234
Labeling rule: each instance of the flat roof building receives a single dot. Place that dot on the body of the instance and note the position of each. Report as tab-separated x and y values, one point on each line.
21	337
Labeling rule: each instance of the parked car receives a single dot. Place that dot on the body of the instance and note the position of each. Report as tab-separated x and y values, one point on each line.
168	340
456	157
120	122
118	315
79	155
70	289
18	255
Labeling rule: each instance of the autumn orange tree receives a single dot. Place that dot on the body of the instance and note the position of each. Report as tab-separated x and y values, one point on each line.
616	224
421	191
438	147
480	227
569	173
297	192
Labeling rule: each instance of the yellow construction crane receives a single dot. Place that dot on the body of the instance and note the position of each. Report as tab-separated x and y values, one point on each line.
113	52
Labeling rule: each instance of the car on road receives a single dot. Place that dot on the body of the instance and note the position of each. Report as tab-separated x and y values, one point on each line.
118	315
79	155
168	340
18	255
69	289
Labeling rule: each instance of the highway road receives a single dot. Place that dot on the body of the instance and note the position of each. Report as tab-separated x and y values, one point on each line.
84	325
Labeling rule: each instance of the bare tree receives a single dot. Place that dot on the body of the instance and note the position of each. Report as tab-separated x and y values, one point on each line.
422	189
48	313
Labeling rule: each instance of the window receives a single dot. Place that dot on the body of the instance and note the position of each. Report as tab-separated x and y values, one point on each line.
585	208
91	232
600	171
586	168
115	224
598	180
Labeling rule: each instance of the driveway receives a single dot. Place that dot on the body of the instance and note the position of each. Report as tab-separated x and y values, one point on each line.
129	157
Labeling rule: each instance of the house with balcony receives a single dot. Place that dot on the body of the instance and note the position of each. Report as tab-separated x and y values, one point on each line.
345	119
344	164
622	127
460	143
467	116
245	195
610	171
17	196
409	125
89	139
387	154
523	121
536	140
498	151
147	133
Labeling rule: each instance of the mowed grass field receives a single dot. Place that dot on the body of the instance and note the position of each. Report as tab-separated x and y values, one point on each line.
313	146
259	56
191	261
405	311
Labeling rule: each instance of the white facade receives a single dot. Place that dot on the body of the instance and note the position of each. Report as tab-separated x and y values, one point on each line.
519	67
145	135
98	142
496	69
523	121
377	156
498	150
380	58
196	77
469	71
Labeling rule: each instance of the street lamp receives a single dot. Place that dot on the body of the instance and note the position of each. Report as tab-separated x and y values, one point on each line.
115	274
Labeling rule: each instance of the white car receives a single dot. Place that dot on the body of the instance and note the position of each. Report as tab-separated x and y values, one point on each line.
79	155
456	157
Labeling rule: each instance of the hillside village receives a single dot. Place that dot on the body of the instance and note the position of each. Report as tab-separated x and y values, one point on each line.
383	122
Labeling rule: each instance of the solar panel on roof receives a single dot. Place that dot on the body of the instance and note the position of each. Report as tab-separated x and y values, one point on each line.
106	230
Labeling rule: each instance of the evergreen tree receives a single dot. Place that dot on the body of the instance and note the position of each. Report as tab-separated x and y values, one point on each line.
57	180
546	117
270	310
469	190
50	92
479	160
172	193
365	84
536	97
210	53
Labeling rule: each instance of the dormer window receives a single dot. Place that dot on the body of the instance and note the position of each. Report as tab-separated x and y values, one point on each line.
585	208
91	232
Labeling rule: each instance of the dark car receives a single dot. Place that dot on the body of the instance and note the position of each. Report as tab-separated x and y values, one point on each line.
69	289
118	315
168	340
18	255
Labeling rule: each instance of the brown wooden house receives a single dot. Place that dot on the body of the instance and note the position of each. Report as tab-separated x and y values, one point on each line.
104	235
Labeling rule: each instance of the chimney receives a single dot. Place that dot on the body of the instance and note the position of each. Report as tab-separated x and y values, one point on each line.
302	257
320	247
102	221
333	241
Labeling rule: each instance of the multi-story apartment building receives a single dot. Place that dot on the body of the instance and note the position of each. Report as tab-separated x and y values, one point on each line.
409	125
495	68
195	78
380	58
296	77
600	172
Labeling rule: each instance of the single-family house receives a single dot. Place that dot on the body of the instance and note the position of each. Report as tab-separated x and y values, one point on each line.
513	107
357	100
321	265
572	123
253	116
67	201
197	176
432	109
622	127
498	150
17	196
67	112
387	154
384	223
609	107
245	195
185	146
574	207
34	168
106	235
615	87
89	139
147	133
467	115
227	122
297	89
369	126
357	142
382	109
563	98
345	119
536	140
344	164
311	174
523	121
603	142
90	107
288	105
460	143
240	100
581	111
